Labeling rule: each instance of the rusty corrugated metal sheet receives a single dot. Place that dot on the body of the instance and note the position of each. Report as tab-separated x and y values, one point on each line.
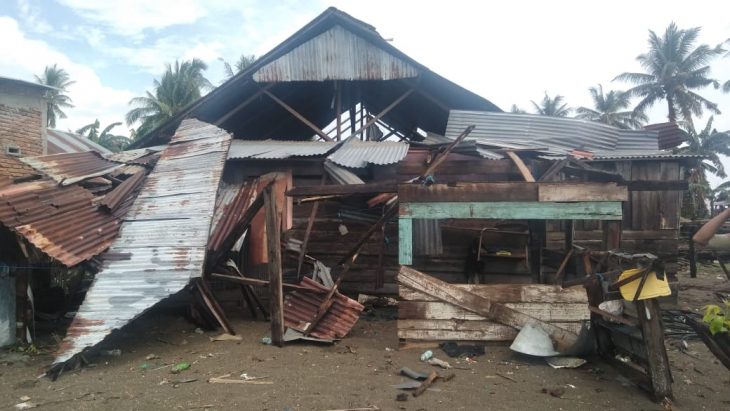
336	54
275	149
115	198
60	221
129	156
358	154
300	308
66	142
670	135
73	167
233	201
163	240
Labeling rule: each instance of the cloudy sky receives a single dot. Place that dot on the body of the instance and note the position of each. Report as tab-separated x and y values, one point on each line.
510	53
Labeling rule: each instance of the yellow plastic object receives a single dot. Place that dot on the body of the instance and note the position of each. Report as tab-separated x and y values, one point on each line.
653	287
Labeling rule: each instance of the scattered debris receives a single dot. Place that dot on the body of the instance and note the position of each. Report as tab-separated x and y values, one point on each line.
556	392
565	362
454	350
439	363
25	405
223	379
266	340
413	374
505	377
401	397
182	366
226	337
425	384
150	357
111	353
427	355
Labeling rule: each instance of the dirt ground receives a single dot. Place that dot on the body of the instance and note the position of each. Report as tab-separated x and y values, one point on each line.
358	372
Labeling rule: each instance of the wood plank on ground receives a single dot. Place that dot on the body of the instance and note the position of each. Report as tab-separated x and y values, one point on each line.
510	293
562	339
439	310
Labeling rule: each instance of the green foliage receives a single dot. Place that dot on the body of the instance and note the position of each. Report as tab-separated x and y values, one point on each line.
105	138
552	106
57	100
717	317
675	70
243	62
180	85
611	108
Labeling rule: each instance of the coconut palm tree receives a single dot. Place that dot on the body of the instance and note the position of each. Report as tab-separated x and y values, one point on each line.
243	62
610	108
516	110
180	85
552	106
57	100
710	144
104	138
726	86
675	71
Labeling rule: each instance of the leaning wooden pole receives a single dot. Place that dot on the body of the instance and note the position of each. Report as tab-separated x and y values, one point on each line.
276	291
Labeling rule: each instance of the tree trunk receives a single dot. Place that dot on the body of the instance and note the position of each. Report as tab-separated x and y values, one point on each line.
672	111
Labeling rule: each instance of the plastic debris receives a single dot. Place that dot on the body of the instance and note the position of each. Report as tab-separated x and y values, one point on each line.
427	355
182	366
266	340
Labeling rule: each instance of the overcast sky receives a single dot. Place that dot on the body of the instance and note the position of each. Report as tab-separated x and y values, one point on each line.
508	52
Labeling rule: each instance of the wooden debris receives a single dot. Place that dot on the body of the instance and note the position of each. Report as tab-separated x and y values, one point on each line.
526	174
223	379
276	291
425	384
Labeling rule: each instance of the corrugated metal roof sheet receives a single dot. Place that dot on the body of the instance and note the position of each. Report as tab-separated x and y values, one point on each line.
642	155
73	167
129	156
300	308
358	154
275	149
60	142
60	221
670	135
528	129
163	240
336	54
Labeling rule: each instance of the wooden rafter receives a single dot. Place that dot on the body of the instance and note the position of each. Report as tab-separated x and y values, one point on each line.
384	112
298	115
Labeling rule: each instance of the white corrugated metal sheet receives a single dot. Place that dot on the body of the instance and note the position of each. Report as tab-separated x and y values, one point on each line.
555	133
358	154
163	239
336	54
275	149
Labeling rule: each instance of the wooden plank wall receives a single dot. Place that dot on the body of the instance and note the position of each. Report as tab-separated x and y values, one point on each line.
650	219
422	317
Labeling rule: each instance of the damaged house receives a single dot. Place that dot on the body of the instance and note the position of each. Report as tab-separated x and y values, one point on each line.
336	165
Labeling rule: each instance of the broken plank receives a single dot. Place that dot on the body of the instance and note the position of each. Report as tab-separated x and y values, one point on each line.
439	310
582	192
587	210
504	333
526	174
510	293
483	325
499	312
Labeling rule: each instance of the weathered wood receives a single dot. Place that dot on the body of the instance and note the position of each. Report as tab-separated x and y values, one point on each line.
526	174
243	104
499	312
554	169
261	283
582	192
439	310
613	317
296	114
468	192
561	270
509	293
213	306
343	189
385	111
445	154
425	384
276	291
652	330
445	330
405	241
310	221
657	185
515	210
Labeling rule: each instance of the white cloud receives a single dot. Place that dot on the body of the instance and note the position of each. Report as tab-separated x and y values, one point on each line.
30	16
132	17
22	57
153	57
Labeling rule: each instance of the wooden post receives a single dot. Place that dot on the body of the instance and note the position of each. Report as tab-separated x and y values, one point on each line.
650	318
405	241
537	243
276	292
692	255
611	235
310	222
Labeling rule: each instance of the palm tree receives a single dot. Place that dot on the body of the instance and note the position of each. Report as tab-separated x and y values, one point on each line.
726	86
610	109
180	85
59	79
675	70
710	144
243	62
552	106
516	110
105	138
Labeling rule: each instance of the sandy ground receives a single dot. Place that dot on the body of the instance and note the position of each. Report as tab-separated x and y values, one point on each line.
357	372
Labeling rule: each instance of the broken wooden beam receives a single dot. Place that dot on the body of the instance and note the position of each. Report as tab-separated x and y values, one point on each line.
485	307
526	173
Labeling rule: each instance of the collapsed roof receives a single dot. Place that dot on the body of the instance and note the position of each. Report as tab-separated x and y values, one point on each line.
334	55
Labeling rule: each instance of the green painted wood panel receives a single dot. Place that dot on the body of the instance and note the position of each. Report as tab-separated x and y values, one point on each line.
609	210
405	241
